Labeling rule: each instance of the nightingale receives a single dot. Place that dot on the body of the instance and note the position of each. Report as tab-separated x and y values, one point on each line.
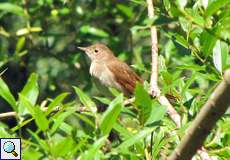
109	70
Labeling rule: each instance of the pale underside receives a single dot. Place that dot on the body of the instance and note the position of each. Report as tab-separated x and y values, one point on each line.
106	77
115	74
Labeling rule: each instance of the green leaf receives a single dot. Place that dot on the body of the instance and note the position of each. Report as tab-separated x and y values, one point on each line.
182	3
42	143
220	55
30	92
91	153
20	125
214	6
192	67
217	57
144	103
110	116
225	22
136	138
122	130
86	100
180	39
67	128
158	112
35	111
9	7
207	45
103	100
31	152
59	120
125	10
25	103
6	94
224	54
205	3
195	16
56	102
63	147
85	119
4	133
40	119
20	44
141	2
188	83
141	96
86	29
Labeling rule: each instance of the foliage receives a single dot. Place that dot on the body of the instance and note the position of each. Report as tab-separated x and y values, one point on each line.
38	42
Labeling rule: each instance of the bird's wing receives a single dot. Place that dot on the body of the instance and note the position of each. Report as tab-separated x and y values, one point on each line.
124	75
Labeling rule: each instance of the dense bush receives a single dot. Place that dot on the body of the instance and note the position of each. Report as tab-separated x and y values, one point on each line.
40	64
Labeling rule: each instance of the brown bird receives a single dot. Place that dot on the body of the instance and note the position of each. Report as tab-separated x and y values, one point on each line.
111	71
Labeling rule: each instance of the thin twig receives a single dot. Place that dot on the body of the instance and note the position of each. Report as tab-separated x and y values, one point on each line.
154	89
7	115
14	114
154	76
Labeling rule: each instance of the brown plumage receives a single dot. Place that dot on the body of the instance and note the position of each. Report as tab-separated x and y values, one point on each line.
110	70
124	75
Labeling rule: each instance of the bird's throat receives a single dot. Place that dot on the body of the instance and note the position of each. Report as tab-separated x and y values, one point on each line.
105	76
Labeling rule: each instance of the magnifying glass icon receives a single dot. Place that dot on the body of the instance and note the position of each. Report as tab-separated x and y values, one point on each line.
9	147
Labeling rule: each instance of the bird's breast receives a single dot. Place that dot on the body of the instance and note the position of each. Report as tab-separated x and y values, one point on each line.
106	77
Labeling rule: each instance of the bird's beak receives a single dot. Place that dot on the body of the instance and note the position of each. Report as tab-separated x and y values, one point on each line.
82	48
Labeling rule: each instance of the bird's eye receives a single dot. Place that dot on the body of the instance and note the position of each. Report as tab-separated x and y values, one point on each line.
95	50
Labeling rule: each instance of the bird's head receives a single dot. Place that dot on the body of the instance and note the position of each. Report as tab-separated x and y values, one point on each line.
98	52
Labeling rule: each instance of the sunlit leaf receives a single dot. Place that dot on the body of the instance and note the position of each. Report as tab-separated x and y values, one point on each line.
225	55
125	10
205	3
7	95
20	44
94	31
135	138
22	31
86	100
56	102
62	147
158	112
110	116
217	57
103	100
207	45
59	120
144	103
25	103
40	119
30	92
42	143
9	7
214	6
182	3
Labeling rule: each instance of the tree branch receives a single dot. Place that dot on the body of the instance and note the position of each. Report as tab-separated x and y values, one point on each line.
7	115
212	110
154	76
154	89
